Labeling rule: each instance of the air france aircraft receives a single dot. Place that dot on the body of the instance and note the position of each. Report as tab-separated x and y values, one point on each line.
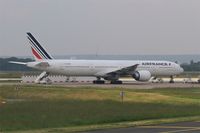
111	70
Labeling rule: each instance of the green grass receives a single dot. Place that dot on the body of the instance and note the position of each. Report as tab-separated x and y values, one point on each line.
40	107
192	93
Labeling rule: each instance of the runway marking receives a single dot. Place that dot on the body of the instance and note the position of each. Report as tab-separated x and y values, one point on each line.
171	127
184	130
179	128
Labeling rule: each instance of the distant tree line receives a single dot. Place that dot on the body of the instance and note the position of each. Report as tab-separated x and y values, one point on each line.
6	66
192	66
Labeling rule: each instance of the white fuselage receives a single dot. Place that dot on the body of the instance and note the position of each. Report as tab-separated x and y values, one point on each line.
101	67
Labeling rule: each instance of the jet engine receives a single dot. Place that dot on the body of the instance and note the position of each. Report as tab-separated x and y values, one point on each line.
142	75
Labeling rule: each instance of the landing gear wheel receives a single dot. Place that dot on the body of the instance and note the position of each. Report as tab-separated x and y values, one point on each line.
171	80
116	82
98	82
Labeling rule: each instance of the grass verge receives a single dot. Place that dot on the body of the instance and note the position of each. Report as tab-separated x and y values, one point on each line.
110	125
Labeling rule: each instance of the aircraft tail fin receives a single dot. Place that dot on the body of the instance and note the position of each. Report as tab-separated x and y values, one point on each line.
38	51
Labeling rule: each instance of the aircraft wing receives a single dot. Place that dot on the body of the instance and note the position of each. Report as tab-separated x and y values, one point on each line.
123	71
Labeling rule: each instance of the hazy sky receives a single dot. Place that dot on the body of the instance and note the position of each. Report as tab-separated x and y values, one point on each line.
101	26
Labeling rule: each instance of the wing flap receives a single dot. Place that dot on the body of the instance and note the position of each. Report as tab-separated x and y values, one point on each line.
123	71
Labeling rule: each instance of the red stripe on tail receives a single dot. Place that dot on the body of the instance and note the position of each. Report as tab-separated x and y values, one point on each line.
36	54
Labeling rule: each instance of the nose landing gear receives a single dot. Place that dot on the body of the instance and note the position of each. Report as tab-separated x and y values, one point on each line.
171	79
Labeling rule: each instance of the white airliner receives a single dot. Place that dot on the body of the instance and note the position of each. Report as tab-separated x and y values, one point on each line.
111	70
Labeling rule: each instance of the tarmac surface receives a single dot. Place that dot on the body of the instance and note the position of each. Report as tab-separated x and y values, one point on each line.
181	127
135	85
128	85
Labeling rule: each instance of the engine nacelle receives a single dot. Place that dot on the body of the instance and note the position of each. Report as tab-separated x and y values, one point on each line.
142	75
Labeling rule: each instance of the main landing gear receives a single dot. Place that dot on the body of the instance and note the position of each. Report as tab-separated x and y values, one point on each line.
98	81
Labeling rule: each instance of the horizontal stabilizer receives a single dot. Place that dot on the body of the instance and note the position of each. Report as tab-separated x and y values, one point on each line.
20	63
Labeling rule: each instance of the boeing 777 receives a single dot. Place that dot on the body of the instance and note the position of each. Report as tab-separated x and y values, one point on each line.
111	70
